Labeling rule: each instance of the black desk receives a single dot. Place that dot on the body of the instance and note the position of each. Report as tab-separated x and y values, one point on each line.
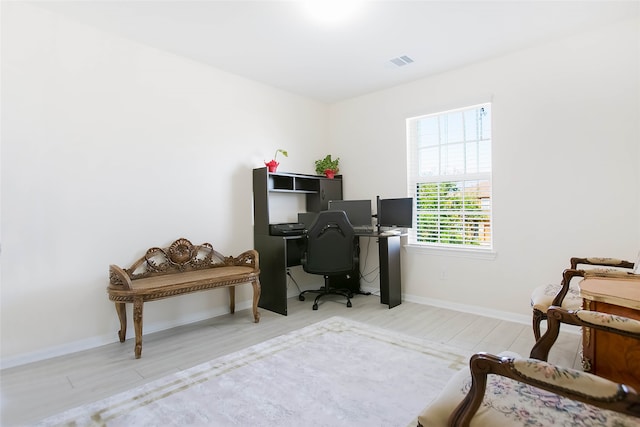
278	253
389	259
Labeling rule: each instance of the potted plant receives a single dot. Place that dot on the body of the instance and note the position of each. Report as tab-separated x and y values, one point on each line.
272	166
328	166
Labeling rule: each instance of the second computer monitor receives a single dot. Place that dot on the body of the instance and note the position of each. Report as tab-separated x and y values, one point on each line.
395	212
358	211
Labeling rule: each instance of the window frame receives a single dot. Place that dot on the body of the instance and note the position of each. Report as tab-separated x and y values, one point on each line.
414	178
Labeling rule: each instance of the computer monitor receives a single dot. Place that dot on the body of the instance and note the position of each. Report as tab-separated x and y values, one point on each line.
395	212
358	211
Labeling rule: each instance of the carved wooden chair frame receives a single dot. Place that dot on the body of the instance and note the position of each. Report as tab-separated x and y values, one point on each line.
567	276
621	398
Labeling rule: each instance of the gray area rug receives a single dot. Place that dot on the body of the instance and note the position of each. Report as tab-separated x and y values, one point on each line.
336	372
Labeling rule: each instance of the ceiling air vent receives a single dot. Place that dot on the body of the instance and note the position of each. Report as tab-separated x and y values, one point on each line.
401	61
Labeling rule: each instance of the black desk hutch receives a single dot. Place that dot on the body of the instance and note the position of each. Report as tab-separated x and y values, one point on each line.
278	253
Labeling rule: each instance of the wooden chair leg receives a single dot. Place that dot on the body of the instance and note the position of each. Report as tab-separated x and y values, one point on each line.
121	310
538	317
256	297
232	299
137	325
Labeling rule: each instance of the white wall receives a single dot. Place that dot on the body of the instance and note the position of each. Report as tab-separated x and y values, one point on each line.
109	148
566	138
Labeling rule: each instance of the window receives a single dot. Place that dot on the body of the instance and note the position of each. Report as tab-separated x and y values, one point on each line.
450	178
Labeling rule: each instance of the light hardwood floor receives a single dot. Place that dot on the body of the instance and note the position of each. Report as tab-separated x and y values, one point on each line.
34	391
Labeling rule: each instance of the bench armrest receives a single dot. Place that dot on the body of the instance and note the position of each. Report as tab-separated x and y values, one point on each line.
248	258
119	277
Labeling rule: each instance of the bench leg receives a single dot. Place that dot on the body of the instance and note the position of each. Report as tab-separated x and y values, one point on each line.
137	325
122	315
256	298
232	299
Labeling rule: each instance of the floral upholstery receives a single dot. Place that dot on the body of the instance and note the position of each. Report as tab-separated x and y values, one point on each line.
511	403
611	273
568	379
605	261
542	297
609	320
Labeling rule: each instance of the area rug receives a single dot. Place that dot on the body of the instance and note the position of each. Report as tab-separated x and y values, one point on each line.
337	372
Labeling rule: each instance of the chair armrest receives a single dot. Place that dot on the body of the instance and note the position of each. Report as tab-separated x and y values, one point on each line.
592	319
609	322
611	274
569	383
567	275
573	382
609	262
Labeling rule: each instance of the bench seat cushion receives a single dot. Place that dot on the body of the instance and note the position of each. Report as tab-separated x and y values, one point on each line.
188	279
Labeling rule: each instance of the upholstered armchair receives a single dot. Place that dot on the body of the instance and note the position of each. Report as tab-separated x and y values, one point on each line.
532	392
567	294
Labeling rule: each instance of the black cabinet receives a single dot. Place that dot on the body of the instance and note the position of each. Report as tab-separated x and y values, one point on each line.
328	189
278	253
317	189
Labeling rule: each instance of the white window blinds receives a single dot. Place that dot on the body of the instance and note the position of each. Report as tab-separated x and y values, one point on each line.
450	177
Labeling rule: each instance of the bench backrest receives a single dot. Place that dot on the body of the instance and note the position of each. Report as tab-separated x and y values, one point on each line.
181	256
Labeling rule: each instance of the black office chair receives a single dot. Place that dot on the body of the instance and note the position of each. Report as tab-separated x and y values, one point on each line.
331	251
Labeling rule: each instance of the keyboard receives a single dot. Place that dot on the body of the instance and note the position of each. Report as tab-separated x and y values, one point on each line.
363	230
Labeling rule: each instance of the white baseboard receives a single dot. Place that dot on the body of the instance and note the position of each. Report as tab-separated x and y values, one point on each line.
98	341
472	309
481	311
93	342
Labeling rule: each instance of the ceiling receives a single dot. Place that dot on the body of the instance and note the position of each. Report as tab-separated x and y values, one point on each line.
277	43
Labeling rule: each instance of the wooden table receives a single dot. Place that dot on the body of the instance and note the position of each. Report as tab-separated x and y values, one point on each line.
603	353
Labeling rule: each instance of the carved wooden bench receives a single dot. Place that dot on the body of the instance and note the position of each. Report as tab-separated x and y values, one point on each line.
180	269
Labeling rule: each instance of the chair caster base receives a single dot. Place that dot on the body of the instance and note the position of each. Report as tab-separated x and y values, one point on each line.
349	304
315	306
301	298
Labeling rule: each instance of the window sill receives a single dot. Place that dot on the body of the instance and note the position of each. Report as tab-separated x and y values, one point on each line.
453	252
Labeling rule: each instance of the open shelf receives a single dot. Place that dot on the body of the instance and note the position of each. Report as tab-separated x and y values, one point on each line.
293	183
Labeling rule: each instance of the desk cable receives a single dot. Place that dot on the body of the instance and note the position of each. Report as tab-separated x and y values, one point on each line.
363	267
294	280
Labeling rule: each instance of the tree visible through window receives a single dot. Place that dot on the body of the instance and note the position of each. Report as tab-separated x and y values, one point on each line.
450	177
